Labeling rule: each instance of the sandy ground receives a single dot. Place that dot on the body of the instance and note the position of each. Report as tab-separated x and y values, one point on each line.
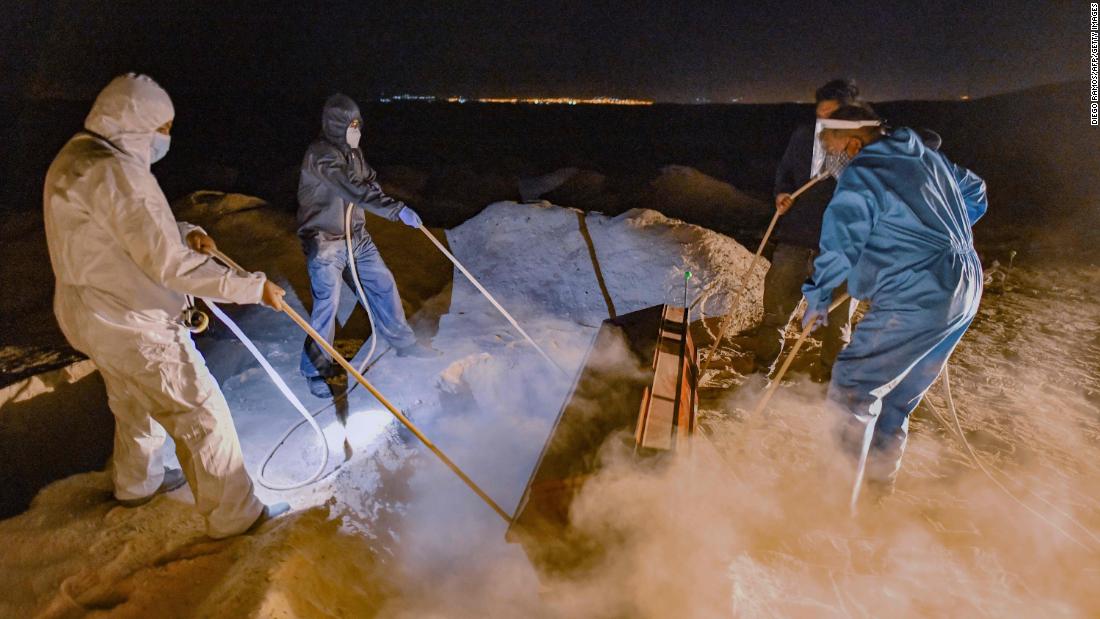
952	541
754	524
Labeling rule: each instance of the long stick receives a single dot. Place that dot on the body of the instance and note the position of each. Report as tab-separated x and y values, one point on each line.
810	183
813	181
752	265
485	292
790	358
323	343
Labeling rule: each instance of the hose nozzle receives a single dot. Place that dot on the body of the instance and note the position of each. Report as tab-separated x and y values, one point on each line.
195	320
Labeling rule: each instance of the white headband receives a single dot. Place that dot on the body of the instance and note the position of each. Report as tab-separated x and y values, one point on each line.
835	123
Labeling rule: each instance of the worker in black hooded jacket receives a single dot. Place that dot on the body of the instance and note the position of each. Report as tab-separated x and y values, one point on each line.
798	233
334	175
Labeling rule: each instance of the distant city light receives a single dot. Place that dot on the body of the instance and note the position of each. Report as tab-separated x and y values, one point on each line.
521	100
566	101
425	98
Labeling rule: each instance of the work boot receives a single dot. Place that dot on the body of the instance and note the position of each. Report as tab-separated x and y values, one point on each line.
418	351
173	479
318	386
333	371
269	513
876	492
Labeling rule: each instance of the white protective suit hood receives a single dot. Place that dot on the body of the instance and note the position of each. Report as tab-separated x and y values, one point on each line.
122	266
128	112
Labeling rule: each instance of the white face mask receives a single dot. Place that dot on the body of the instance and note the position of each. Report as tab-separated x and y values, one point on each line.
353	136
160	146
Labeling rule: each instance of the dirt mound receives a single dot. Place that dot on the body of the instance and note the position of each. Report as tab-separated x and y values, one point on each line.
560	261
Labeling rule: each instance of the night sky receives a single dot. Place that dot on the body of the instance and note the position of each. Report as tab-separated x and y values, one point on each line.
668	51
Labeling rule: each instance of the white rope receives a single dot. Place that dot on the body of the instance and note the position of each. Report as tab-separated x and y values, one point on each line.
359	286
981	465
287	393
309	418
488	296
977	462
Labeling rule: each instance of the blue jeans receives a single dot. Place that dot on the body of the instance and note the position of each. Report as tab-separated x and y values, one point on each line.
327	261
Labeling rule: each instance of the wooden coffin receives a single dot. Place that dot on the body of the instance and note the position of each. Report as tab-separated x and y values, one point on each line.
636	392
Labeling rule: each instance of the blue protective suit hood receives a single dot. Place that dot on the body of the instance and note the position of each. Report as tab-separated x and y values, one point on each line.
339	111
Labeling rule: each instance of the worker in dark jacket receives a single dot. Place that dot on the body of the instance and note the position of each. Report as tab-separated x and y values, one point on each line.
334	175
798	232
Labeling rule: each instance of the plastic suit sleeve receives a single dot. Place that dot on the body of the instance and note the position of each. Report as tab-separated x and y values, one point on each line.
367	195
972	188
186	229
142	223
848	221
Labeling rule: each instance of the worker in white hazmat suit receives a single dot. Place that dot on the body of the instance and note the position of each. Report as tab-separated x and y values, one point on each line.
124	267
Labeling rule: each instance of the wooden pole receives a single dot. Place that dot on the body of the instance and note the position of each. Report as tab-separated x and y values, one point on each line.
745	276
323	343
790	358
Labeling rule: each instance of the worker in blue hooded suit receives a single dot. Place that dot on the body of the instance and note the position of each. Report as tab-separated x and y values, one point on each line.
898	231
334	175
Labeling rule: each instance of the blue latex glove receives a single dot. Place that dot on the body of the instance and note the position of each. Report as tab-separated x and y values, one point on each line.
409	217
816	316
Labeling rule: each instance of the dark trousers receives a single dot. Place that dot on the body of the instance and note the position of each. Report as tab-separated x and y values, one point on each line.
791	267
